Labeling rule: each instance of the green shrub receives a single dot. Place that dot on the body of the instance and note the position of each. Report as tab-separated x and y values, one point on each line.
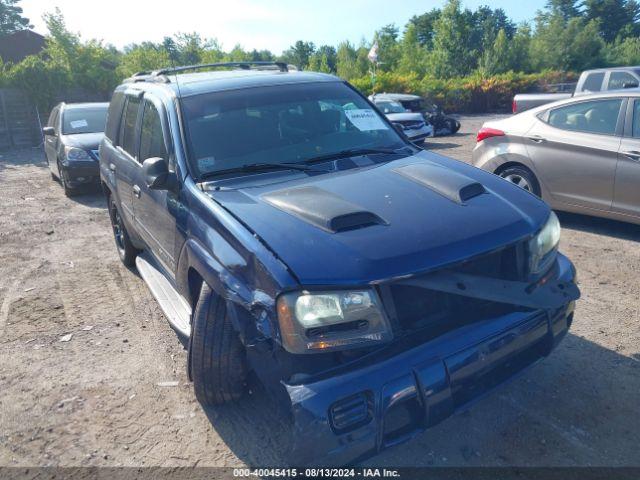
472	94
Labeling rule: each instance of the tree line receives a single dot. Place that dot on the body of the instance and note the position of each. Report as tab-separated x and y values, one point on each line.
439	49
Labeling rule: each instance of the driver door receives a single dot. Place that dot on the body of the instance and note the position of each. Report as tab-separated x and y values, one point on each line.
155	210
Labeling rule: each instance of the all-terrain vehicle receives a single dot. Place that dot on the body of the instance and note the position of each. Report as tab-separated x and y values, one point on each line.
286	228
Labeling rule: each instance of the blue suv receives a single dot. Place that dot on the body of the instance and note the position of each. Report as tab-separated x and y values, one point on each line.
287	229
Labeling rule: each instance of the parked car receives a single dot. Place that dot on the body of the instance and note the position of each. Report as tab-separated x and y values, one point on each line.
373	287
432	113
590	81
580	155
71	139
413	125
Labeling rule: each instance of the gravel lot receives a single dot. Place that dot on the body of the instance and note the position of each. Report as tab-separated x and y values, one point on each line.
116	393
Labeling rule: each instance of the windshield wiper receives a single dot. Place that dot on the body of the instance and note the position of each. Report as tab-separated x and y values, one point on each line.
354	152
258	167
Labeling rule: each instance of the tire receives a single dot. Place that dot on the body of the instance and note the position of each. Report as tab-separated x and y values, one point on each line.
68	191
126	251
522	177
217	358
452	125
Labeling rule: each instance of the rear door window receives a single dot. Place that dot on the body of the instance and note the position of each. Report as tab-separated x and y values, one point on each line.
636	119
114	115
128	138
53	118
151	136
593	82
619	80
598	116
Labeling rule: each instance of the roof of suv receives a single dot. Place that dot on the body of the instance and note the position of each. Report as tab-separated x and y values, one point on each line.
187	84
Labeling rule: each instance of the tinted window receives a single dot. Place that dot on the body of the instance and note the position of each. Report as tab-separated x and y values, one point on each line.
83	120
151	136
593	82
52	117
280	124
599	116
114	115
636	119
128	127
618	80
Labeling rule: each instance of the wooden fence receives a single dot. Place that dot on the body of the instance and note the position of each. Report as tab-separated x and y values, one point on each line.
19	122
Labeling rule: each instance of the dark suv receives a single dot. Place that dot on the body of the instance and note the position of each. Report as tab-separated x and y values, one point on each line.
286	228
71	139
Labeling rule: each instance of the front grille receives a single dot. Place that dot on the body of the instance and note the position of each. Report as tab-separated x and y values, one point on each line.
411	124
435	313
351	412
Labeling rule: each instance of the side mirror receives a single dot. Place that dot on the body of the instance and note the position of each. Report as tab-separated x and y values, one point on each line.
49	131
156	174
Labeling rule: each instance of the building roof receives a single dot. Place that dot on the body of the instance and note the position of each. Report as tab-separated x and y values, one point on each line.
14	47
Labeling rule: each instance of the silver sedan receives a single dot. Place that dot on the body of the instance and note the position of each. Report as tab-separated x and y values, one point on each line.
580	155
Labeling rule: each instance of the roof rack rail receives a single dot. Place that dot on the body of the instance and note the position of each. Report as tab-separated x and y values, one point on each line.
242	65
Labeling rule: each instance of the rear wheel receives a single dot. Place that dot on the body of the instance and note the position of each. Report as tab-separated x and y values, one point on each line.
126	251
217	358
523	177
452	125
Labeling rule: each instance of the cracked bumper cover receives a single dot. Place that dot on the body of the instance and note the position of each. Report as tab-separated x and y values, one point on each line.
419	388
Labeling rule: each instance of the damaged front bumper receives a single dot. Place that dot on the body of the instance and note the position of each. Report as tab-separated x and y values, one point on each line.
349	416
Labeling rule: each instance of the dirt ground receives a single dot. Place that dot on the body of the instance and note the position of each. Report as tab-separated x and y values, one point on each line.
116	392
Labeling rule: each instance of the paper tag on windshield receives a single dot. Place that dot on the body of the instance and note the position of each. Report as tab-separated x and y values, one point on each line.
365	119
78	123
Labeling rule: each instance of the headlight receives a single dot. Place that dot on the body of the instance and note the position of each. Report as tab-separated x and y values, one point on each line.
311	322
543	247
73	153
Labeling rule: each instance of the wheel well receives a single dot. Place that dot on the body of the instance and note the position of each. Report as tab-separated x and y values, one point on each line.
504	166
195	282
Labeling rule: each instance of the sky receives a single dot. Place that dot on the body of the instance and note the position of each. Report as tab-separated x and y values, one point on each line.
259	24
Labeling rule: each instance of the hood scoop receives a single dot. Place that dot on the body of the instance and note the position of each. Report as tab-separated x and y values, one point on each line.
450	184
322	209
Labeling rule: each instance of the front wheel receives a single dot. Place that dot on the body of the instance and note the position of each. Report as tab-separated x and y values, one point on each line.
522	177
216	356
126	251
68	191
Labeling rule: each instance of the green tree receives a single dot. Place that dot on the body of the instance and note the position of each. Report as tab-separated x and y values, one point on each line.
497	58
614	17
452	54
11	18
388	47
425	27
624	52
299	53
413	56
141	58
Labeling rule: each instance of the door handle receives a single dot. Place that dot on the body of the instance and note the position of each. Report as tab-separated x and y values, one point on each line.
536	138
112	167
632	155
136	191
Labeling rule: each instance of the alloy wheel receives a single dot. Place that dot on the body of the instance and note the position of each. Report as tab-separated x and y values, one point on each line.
519	181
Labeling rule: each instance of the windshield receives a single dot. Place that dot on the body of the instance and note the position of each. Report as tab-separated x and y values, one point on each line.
280	124
84	120
391	107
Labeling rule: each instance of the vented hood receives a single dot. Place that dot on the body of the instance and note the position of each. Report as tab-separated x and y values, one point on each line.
398	218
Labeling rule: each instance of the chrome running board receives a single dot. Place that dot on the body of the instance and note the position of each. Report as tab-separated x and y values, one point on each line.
173	305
